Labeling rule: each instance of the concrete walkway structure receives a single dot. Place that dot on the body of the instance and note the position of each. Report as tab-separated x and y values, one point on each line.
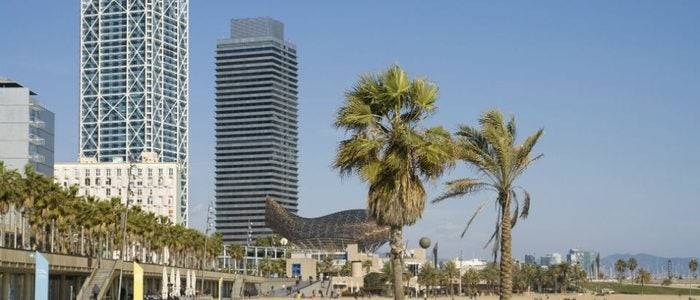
67	275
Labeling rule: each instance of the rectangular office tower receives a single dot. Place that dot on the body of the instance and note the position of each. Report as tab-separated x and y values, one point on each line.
26	129
256	127
134	83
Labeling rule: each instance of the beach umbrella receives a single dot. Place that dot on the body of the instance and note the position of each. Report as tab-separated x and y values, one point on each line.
187	283
177	283
191	286
164	284
172	280
194	284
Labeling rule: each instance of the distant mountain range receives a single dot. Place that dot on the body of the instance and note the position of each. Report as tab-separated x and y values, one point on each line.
658	266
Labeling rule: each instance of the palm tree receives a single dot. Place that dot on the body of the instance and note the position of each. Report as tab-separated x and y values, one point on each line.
643	277
390	150
471	279
493	152
632	265
60	221
490	276
266	266
9	194
693	266
451	272
428	276
620	267
325	266
237	253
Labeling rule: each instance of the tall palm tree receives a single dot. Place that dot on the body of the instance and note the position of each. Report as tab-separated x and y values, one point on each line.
643	277
471	279
620	268
632	265
237	253
9	194
451	273
693	267
390	150
492	151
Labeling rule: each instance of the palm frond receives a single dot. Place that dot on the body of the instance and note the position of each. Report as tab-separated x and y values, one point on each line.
512	130
522	152
395	82
461	187
471	219
435	153
526	203
355	152
355	115
516	211
424	94
495	239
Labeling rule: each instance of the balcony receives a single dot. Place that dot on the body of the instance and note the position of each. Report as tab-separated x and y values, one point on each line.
37	123
36	140
37	158
35	106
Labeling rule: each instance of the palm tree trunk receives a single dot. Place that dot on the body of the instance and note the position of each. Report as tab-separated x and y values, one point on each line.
2	230
82	240
14	225
396	243
506	288
53	232
21	221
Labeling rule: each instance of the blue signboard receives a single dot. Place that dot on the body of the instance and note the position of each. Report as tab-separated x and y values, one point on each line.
296	270
41	278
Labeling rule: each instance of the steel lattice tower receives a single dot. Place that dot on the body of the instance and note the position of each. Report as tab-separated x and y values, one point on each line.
134	68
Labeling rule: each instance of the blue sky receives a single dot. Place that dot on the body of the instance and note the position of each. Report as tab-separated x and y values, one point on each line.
616	84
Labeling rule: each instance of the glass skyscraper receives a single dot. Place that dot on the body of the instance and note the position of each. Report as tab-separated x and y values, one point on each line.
134	83
256	127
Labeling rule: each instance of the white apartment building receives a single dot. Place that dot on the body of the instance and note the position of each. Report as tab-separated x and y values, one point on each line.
470	264
154	185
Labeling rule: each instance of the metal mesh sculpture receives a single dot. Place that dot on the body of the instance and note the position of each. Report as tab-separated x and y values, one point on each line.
330	232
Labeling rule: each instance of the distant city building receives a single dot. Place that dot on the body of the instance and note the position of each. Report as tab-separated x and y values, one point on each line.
585	259
154	186
550	259
256	127
134	93
530	259
26	129
470	264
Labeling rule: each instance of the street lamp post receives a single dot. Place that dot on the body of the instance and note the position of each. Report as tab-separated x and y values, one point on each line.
424	243
125	215
210	215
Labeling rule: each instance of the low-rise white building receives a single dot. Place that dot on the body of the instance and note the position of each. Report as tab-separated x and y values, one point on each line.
153	185
470	264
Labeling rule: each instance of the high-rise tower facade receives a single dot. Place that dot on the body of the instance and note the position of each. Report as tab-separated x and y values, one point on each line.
134	67
256	127
26	127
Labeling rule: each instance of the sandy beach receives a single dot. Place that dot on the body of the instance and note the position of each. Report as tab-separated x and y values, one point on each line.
541	297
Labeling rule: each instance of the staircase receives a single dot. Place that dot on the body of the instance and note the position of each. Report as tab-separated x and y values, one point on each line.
291	290
313	286
102	277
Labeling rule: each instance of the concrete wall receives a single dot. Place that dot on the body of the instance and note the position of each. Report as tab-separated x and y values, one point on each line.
308	267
